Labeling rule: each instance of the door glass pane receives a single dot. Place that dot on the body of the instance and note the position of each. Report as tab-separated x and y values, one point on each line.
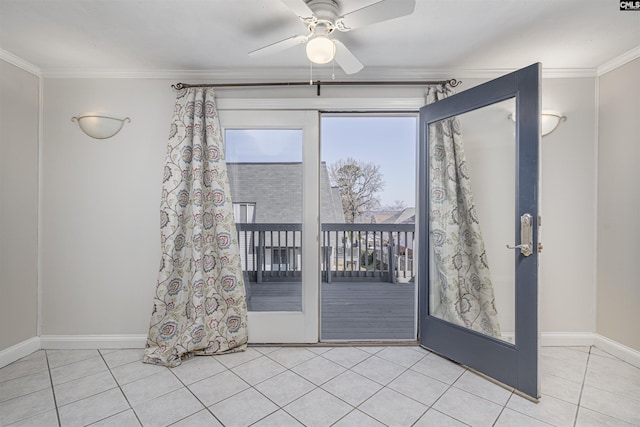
367	199
265	175
471	220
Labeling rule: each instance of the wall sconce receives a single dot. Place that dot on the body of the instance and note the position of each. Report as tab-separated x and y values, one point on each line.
98	125
549	121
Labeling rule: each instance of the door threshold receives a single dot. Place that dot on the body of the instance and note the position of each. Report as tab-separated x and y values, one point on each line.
341	344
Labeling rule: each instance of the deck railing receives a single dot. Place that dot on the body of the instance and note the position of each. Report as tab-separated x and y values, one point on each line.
350	252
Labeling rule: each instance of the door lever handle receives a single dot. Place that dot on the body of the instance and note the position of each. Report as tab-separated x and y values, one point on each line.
526	235
526	249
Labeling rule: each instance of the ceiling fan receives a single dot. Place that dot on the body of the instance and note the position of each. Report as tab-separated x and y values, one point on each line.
322	18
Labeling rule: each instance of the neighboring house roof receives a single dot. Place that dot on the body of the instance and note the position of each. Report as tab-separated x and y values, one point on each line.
276	190
336	200
380	218
406	216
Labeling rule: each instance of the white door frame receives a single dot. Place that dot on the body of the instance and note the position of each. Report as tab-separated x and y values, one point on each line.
290	326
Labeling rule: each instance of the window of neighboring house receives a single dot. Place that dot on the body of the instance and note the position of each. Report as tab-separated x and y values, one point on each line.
279	257
244	213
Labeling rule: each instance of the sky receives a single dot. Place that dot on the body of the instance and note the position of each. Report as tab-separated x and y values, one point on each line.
387	141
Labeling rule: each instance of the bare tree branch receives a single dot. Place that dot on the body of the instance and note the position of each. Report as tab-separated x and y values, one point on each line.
358	182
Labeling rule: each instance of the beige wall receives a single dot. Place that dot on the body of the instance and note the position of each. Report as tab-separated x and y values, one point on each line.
18	205
568	208
101	200
618	315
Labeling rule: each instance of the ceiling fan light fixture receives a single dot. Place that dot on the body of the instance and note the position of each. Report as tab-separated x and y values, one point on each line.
321	50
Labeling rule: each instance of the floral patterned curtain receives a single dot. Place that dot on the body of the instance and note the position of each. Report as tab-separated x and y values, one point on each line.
199	306
465	288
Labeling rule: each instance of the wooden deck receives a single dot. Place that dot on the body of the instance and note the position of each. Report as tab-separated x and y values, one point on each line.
355	311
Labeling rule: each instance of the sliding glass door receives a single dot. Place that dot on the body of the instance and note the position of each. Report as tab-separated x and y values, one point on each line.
318	265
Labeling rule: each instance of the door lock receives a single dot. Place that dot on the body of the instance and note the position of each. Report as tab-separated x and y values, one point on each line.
526	235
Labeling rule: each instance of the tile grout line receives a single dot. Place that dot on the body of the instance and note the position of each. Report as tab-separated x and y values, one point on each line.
29	393
75	361
23	375
501	411
384	386
612	357
584	379
287	369
206	408
582	390
226	369
445	392
106	418
315	386
119	388
53	390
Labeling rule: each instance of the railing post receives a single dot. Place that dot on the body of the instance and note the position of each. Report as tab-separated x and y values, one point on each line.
392	259
259	256
328	262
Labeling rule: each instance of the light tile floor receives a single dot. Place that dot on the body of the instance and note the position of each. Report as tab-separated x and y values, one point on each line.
311	386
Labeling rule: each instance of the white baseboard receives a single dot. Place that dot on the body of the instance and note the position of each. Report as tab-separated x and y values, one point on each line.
18	351
70	342
551	339
566	339
621	351
90	342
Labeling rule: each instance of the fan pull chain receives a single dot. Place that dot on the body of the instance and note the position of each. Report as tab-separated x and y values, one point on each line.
333	68
310	73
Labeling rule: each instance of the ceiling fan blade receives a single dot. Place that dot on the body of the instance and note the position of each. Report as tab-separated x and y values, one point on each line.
300	8
278	46
377	12
347	60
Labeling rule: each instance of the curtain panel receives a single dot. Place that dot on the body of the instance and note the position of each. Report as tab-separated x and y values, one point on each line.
462	270
199	306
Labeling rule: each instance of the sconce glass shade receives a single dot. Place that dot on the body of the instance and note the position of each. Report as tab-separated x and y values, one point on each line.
320	50
549	121
99	126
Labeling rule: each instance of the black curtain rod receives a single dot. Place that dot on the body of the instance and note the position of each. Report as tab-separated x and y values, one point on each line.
318	84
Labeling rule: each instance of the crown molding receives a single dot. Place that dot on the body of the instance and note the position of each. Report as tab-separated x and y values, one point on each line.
302	74
20	63
619	61
549	73
568	73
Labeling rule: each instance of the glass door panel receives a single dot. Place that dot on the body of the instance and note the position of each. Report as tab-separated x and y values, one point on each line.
472	280
265	176
272	165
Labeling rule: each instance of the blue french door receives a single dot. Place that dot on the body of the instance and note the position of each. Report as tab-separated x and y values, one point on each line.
478	228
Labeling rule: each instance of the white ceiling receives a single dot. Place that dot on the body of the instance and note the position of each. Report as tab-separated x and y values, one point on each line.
75	37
